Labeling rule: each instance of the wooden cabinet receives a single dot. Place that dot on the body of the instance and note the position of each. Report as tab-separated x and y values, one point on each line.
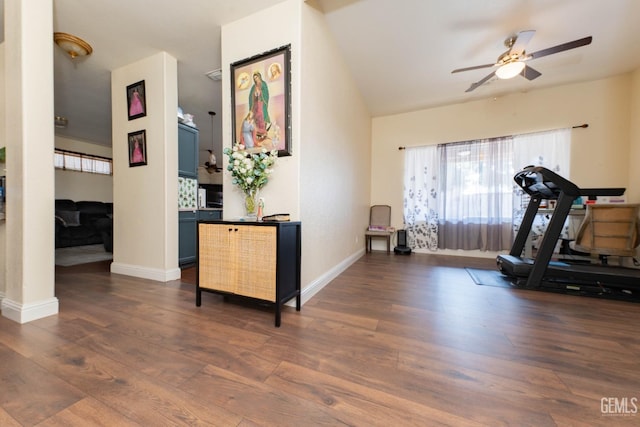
187	151
188	169
259	261
186	237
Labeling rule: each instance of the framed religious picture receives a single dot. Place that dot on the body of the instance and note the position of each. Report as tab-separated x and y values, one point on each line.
136	100
261	101
138	148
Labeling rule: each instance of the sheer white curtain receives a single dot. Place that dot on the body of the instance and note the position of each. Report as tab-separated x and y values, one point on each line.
476	195
421	197
462	195
551	149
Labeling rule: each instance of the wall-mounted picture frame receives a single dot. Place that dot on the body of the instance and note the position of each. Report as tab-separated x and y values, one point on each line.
137	148
261	101
136	100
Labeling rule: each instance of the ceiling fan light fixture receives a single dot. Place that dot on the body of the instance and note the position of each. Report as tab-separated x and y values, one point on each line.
73	45
512	62
510	70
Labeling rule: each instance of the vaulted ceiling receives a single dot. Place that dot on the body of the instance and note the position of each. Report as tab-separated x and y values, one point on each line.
401	53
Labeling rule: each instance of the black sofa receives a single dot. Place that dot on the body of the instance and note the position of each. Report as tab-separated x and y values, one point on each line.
83	223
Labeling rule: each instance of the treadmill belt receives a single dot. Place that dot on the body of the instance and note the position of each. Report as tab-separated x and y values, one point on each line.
579	273
580	279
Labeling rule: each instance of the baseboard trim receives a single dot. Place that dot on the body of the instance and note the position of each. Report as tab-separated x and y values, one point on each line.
145	272
316	286
23	313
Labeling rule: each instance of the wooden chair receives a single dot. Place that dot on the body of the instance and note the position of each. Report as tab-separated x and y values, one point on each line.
609	230
379	225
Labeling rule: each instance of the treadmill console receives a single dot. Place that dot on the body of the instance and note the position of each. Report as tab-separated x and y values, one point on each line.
545	184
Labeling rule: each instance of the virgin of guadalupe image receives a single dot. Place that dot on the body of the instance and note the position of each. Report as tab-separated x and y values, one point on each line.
259	105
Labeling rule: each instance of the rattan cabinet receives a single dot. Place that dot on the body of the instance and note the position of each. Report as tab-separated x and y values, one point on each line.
255	260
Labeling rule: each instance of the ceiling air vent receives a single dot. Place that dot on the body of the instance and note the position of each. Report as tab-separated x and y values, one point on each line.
215	75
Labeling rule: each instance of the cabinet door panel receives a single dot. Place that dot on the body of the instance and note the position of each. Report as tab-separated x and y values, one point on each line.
186	237
216	256
256	264
187	151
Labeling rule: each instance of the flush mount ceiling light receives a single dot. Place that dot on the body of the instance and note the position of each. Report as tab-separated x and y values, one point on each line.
73	45
60	122
510	70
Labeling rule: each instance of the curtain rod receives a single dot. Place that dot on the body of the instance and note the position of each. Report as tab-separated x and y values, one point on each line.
582	126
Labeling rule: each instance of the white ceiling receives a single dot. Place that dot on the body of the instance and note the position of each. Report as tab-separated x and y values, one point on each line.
401	52
124	31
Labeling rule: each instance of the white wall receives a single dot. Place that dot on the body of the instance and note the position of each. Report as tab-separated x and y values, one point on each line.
282	192
30	179
205	177
600	154
2	97
78	186
145	197
335	161
3	240
324	184
633	191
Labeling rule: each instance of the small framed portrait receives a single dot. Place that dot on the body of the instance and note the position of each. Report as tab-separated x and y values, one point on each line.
136	100
261	101
138	148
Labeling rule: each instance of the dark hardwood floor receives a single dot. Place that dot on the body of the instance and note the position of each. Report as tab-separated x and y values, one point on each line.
393	341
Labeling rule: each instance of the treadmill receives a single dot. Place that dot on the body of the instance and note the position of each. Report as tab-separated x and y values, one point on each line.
541	183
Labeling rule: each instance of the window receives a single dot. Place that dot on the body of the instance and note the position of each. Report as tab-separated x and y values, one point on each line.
462	195
71	160
476	195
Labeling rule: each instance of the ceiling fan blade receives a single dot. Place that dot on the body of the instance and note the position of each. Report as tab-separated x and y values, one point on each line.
477	67
529	73
560	48
523	39
480	83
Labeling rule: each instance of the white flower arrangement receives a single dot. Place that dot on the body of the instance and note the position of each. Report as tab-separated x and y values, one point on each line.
250	171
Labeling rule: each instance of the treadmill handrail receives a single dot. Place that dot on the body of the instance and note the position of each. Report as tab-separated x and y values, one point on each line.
548	185
613	191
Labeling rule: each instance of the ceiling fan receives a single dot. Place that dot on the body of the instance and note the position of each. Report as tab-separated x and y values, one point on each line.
512	62
211	165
